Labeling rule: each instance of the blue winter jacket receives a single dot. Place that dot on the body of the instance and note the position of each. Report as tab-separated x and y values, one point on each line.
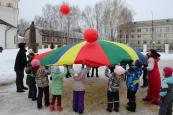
166	83
133	75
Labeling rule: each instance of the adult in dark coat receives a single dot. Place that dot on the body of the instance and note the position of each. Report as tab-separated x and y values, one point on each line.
20	64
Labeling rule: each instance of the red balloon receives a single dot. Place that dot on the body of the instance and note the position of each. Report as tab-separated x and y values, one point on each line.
65	9
91	35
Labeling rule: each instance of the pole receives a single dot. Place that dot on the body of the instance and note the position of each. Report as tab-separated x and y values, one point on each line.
152	31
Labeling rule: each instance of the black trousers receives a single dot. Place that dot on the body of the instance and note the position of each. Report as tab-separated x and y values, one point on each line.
32	92
145	79
94	68
132	100
44	90
19	79
166	105
68	74
113	100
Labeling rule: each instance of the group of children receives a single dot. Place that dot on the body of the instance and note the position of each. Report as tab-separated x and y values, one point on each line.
37	74
132	81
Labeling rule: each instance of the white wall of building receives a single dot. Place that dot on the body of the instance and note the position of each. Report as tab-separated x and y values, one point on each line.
2	35
11	38
9	13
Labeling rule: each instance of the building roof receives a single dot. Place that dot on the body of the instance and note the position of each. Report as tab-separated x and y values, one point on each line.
155	22
5	23
57	33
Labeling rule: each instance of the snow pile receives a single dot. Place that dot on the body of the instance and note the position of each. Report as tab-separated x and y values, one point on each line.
7	60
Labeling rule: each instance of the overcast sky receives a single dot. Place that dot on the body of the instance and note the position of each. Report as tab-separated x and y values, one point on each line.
143	8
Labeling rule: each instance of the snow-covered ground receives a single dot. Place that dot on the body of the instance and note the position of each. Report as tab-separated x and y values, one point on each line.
7	59
95	97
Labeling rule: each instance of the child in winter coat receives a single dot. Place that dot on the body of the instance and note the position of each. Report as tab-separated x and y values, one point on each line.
166	92
42	83
133	75
30	81
57	87
113	88
79	89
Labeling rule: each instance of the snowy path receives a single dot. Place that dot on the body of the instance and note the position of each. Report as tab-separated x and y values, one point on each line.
13	103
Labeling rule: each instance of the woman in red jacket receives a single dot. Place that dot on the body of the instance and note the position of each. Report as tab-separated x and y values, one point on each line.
153	78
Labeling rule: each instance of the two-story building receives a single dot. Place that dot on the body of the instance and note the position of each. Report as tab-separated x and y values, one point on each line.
153	33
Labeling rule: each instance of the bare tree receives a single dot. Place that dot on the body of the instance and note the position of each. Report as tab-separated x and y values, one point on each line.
125	24
106	16
22	26
88	17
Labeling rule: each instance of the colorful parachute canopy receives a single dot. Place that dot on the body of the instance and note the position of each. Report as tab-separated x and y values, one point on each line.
99	53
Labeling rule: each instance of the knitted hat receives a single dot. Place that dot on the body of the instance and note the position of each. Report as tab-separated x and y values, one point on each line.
21	45
119	70
30	51
138	63
35	64
167	71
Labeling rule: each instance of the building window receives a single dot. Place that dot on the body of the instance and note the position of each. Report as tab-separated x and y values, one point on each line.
159	30
167	29
133	30
159	35
145	42
146	30
139	30
43	39
158	42
132	36
139	36
9	5
127	36
138	42
165	35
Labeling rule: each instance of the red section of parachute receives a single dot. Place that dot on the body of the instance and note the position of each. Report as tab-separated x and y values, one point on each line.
91	52
41	56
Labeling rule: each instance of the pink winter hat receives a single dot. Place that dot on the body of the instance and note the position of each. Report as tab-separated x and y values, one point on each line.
167	71
119	70
35	63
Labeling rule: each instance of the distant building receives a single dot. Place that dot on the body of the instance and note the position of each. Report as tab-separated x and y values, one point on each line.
141	33
45	37
8	23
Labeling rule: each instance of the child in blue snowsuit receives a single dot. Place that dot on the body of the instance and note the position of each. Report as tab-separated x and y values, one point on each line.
133	75
166	92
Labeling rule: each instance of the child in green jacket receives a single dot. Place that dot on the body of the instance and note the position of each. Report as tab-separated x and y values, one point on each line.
57	87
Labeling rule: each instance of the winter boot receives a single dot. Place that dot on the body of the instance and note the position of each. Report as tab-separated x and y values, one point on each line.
155	101
52	107
59	108
131	107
